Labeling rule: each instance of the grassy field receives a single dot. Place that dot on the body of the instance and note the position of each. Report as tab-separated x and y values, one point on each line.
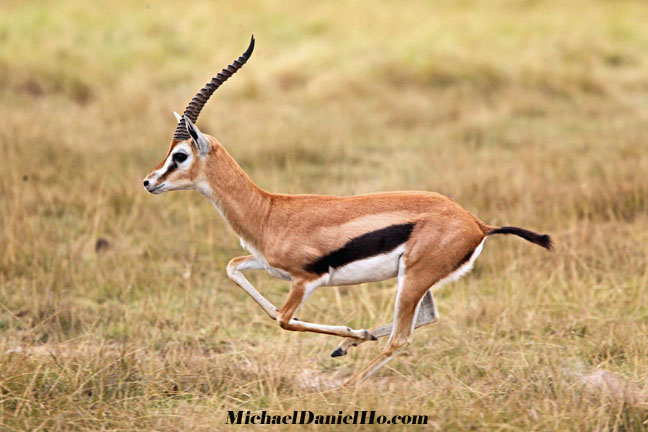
527	113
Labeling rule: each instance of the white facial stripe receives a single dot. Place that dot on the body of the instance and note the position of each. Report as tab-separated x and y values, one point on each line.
156	175
169	160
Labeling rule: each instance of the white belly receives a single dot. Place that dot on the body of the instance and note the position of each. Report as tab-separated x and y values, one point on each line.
374	269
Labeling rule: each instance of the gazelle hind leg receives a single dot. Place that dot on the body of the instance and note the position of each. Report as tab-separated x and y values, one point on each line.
408	298
427	314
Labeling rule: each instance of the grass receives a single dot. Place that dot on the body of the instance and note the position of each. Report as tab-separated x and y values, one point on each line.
527	113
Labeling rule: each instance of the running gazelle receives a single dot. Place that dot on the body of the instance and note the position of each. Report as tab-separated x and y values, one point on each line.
422	238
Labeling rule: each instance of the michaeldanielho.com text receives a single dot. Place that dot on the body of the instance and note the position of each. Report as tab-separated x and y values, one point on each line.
309	417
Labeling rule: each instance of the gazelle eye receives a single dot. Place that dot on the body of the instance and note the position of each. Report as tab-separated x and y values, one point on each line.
179	157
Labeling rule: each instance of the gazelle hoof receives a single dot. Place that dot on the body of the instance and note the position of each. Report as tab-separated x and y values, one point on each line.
338	352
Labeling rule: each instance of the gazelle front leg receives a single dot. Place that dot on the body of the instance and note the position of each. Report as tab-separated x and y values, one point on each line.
427	314
299	293
248	262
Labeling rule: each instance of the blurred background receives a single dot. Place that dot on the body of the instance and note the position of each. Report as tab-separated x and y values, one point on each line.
115	310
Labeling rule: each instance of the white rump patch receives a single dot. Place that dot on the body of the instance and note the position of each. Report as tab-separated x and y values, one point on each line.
464	269
374	269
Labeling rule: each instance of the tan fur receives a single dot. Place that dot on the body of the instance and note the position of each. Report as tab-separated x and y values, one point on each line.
290	231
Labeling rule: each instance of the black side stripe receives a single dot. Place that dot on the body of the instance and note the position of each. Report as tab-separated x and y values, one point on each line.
367	245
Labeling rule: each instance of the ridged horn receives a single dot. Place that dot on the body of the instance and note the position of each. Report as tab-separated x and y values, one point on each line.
198	102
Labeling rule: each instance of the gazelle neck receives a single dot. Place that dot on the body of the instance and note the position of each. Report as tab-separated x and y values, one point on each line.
243	204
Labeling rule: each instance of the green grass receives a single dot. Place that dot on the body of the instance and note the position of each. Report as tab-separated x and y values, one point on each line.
527	113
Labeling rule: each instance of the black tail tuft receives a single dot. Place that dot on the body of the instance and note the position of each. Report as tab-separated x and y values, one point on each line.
540	239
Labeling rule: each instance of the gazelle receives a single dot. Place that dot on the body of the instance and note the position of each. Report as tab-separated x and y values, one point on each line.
422	238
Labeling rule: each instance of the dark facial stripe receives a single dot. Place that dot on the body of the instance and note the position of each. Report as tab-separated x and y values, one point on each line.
367	245
171	168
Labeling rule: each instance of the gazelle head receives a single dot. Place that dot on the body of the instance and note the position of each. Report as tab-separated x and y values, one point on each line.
190	148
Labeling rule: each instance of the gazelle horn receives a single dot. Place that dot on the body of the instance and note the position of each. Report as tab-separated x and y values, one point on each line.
198	102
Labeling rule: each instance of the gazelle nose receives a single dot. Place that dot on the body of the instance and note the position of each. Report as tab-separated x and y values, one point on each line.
146	183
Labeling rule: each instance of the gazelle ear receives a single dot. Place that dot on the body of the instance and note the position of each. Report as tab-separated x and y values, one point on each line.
200	141
177	116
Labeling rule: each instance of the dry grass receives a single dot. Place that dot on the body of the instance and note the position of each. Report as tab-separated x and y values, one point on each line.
529	113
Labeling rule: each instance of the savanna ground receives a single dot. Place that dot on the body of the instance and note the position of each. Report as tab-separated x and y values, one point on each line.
527	113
